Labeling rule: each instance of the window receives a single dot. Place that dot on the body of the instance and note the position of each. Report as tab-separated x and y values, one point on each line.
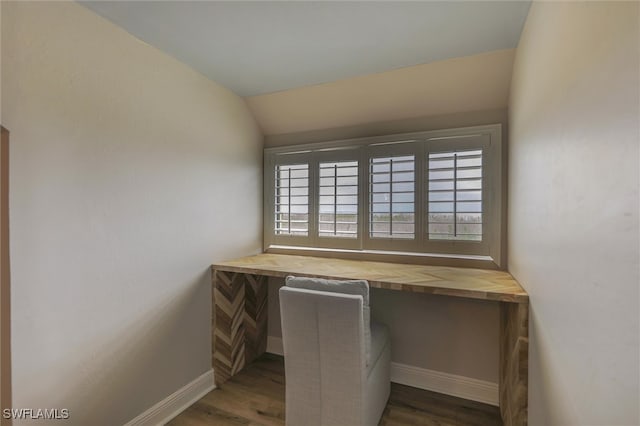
292	199
391	197
455	195
436	192
338	206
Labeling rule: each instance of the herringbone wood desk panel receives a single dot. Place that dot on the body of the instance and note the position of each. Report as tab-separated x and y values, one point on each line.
450	281
239	322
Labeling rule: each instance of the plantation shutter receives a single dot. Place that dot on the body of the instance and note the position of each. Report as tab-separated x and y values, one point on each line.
338	199
455	195
292	199
392	197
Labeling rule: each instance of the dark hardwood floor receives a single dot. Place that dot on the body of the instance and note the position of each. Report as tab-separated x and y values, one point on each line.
256	397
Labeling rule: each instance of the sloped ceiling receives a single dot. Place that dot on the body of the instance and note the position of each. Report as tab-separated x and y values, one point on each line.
262	47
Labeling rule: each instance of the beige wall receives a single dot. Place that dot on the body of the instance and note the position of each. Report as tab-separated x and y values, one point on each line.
573	210
130	174
472	83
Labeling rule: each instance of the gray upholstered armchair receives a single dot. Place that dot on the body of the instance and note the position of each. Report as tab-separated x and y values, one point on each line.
336	364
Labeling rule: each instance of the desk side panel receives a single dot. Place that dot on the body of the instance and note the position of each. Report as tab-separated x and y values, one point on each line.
255	316
514	363
228	332
238	321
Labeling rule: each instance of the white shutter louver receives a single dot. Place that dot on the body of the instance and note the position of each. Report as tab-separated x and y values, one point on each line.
392	197
455	195
338	202
292	199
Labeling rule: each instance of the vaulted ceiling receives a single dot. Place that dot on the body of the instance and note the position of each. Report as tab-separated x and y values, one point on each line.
262	47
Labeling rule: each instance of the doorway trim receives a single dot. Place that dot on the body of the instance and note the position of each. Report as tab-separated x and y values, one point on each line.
5	279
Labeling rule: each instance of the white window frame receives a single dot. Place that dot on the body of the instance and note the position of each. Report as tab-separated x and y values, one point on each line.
462	143
269	193
420	144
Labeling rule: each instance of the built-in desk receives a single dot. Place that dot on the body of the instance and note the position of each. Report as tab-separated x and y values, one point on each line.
239	317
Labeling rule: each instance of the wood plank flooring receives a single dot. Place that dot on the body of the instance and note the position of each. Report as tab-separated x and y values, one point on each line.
255	396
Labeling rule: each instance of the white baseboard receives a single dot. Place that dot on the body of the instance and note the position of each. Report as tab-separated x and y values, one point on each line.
422	378
176	403
446	383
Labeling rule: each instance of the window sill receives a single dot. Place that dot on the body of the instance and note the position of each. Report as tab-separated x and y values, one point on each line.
432	259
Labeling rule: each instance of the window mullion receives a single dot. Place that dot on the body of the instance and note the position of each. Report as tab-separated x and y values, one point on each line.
335	199
289	202
391	197
314	200
365	195
419	195
455	194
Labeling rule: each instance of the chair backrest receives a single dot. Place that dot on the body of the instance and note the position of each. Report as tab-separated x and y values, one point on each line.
324	350
357	287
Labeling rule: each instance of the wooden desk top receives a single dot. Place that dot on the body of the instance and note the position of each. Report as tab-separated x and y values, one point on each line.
443	280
